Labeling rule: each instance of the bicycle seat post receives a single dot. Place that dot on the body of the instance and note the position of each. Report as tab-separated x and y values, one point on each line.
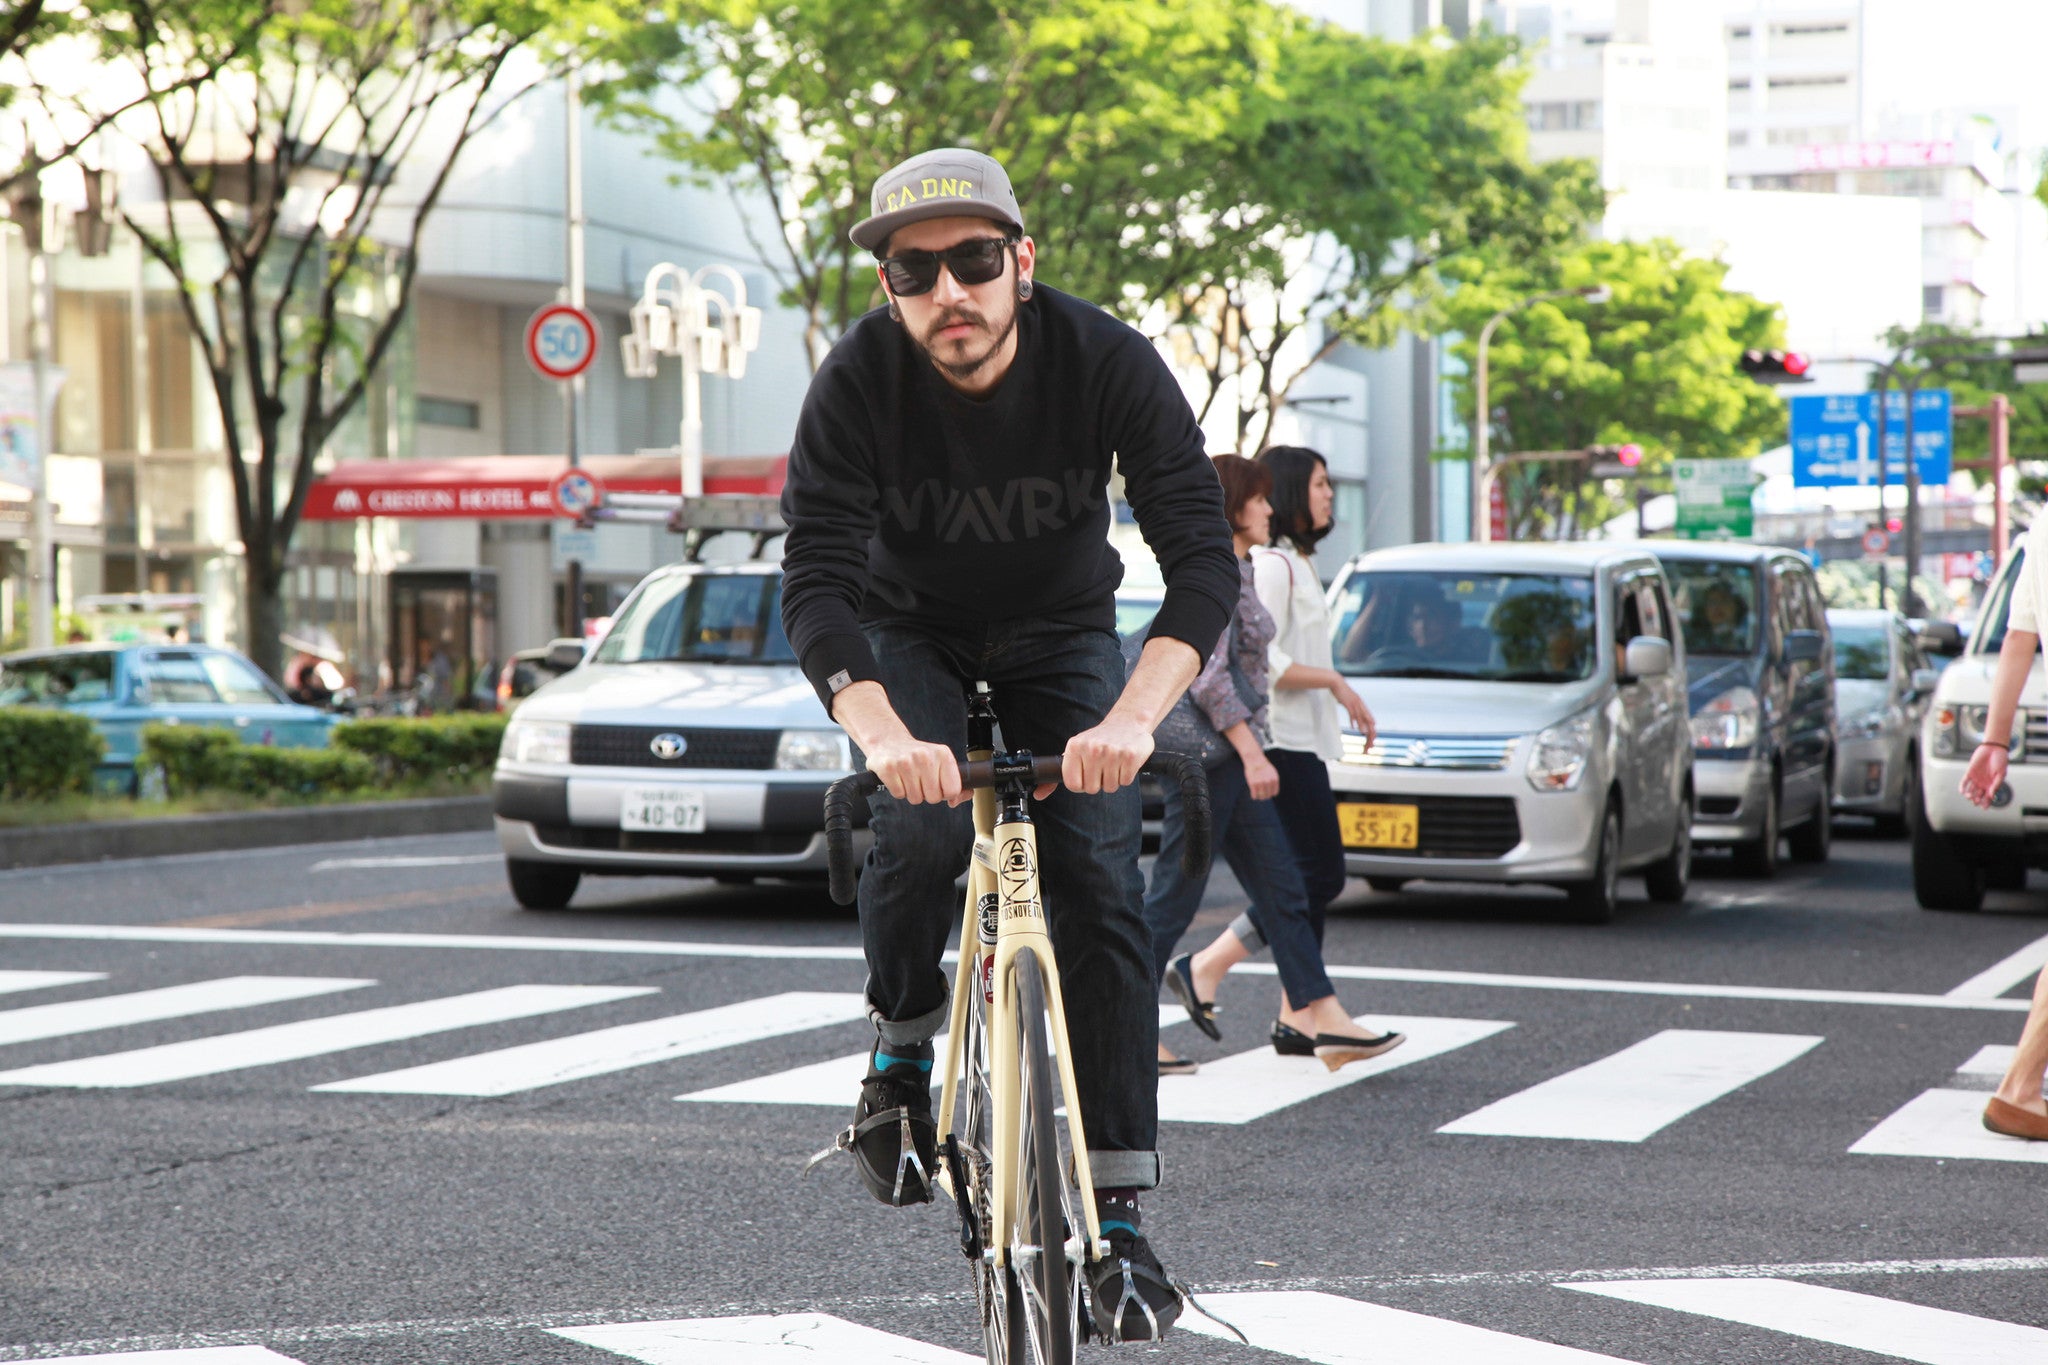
981	720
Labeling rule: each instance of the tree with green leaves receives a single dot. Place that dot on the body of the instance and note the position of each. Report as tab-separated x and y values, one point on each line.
1227	174
277	130
1938	355
1657	364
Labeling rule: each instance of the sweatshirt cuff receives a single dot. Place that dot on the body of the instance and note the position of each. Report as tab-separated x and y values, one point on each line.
834	663
1192	619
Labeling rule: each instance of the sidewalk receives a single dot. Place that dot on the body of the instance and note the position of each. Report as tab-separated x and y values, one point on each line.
98	841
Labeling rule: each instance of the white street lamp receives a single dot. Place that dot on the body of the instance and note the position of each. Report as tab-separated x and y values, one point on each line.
679	315
1482	519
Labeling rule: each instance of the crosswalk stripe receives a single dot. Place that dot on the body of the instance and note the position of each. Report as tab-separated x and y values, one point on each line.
1945	1123
42	981
1250	1085
313	1037
1639	1090
1841	1317
1991	1060
602	1051
169	1002
205	1355
781	1339
1327	1329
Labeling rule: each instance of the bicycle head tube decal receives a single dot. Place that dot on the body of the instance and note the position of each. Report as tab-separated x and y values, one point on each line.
1017	873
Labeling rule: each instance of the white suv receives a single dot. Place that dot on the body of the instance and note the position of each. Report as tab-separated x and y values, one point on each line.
1959	850
688	744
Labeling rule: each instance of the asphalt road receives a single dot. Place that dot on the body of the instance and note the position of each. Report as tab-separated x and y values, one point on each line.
1648	1157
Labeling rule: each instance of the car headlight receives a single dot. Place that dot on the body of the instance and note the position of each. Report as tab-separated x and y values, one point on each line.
1727	722
536	741
1557	760
1865	724
813	750
1959	729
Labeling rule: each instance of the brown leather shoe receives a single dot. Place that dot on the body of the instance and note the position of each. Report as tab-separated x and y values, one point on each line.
2014	1121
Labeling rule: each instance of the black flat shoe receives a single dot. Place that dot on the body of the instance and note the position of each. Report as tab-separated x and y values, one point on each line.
1292	1042
1180	977
1173	1065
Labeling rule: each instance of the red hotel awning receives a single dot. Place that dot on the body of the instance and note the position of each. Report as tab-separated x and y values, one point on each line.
502	487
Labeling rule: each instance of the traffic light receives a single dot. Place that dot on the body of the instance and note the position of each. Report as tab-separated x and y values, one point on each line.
1777	367
1614	461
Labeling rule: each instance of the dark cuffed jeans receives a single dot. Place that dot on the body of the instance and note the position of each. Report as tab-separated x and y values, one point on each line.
1308	814
1248	835
1049	682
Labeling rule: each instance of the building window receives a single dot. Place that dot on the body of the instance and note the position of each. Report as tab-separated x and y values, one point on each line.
447	412
1557	116
1740	83
1742	32
1738	137
1932	298
1787	82
1810	30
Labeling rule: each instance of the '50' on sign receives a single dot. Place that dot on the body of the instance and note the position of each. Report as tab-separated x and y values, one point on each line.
561	341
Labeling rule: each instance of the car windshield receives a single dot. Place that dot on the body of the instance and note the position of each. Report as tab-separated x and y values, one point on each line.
1495	627
1863	652
1716	605
701	618
57	679
1989	636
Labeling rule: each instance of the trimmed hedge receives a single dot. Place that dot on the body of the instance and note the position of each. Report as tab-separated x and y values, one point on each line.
196	758
402	751
45	753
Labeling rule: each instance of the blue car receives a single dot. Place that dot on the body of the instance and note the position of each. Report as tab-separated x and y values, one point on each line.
123	687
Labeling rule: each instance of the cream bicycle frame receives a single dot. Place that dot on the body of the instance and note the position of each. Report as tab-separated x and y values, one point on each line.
1020	924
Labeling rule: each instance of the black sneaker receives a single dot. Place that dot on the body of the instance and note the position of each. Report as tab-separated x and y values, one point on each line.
893	1139
1130	1297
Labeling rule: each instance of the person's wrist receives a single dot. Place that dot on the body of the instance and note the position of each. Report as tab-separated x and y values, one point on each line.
2004	744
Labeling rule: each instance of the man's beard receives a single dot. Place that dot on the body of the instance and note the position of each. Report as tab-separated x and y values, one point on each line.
967	366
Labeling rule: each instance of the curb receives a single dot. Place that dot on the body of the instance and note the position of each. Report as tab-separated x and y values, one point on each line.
50	845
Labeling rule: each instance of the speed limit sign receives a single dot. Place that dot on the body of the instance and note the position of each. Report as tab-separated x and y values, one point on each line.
561	341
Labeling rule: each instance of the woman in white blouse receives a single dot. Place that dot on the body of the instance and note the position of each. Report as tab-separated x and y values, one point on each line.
1308	694
2017	1109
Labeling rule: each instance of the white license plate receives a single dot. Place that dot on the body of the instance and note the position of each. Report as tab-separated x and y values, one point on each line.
668	810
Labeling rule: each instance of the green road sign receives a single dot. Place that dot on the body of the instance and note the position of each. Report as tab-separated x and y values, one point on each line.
1713	499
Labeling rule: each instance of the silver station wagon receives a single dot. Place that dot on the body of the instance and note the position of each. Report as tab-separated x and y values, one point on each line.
1532	720
688	744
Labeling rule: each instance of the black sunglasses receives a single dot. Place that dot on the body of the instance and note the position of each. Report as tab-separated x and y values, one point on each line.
974	261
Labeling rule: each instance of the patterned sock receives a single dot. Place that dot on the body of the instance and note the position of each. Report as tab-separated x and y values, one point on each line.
1118	1208
889	1056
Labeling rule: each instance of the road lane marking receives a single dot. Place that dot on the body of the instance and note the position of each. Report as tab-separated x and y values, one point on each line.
287	914
1329	1330
780	1339
1639	1090
1840	1317
557	1060
313	1037
396	860
1992	1060
170	1002
2002	975
1947	1124
1250	1085
43	981
204	1355
958	1300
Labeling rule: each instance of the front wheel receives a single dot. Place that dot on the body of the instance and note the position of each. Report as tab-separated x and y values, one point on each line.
1759	856
1810	842
1942	878
1592	901
1044	1291
1669	878
542	886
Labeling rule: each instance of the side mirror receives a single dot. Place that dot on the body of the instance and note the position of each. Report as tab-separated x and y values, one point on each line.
1942	637
1647	657
1923	682
1802	646
565	654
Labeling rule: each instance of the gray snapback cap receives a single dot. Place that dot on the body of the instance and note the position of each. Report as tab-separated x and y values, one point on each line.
947	183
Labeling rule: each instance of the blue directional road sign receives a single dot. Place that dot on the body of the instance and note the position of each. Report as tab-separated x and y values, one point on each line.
1834	438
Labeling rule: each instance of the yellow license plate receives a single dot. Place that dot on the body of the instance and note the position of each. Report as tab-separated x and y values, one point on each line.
1378	826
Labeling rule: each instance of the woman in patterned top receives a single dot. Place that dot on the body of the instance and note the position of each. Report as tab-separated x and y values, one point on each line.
1232	693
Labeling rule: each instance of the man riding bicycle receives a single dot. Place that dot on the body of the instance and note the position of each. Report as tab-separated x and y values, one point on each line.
948	516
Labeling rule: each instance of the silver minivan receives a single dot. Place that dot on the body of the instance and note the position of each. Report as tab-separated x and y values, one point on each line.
1532	720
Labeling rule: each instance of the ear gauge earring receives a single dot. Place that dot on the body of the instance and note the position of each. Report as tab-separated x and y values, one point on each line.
1023	287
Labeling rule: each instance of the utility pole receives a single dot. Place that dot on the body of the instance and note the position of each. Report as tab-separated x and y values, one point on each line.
572	132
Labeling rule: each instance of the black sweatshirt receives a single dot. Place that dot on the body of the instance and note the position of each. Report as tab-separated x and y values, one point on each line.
909	501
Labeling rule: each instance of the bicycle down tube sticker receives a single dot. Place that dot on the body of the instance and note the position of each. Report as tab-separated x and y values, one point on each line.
1017	871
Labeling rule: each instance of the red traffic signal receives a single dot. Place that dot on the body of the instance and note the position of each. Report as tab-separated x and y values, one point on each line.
1613	461
1894	525
1629	454
1777	367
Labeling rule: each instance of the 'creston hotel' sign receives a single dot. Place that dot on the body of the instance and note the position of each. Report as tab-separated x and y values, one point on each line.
445	502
